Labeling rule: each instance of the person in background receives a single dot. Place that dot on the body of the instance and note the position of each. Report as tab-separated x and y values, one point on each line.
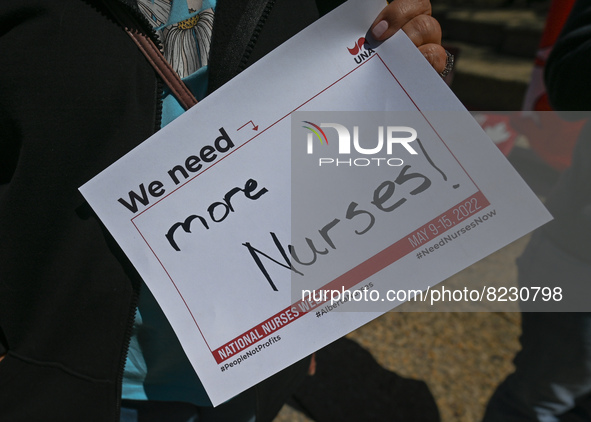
552	378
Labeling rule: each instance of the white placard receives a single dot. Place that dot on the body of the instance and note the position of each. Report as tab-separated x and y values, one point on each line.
194	205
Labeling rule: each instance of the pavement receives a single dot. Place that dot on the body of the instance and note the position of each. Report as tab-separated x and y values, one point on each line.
438	365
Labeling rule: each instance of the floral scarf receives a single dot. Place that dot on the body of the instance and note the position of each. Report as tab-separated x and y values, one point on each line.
184	28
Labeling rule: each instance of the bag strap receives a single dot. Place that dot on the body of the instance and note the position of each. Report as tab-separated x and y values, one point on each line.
154	57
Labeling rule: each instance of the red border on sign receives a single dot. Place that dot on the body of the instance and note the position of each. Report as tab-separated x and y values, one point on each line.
347	280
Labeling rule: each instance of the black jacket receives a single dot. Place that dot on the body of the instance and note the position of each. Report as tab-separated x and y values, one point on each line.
75	95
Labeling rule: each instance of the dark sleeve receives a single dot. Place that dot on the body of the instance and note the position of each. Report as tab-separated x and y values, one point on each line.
3	346
568	69
9	140
325	6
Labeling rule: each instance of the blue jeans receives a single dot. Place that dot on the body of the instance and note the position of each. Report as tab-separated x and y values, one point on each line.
553	368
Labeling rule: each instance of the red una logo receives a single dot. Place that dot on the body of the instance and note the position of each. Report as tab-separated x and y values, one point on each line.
360	51
358	47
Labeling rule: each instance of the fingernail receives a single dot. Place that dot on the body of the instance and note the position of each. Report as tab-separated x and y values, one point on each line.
379	29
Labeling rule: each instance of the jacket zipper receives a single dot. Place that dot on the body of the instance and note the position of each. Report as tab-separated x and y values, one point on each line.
123	360
128	14
255	35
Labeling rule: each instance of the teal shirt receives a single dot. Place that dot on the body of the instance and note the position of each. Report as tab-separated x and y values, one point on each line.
156	366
